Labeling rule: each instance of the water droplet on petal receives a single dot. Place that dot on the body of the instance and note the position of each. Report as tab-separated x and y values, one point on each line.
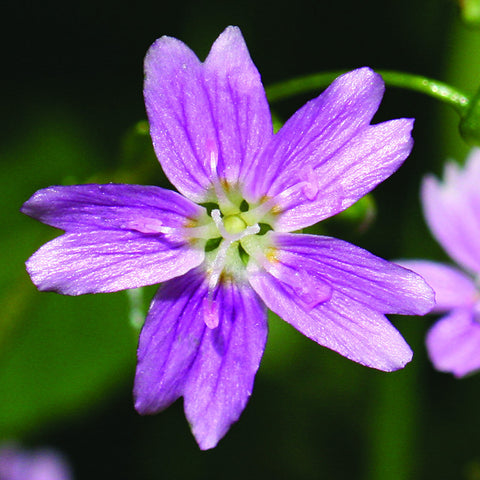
310	188
148	225
308	289
312	292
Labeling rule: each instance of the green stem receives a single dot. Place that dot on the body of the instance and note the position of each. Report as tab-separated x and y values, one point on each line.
439	90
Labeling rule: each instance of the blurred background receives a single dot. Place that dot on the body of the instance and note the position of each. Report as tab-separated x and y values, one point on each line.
71	98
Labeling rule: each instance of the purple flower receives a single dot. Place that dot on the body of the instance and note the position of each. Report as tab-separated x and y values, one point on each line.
452	211
224	246
44	464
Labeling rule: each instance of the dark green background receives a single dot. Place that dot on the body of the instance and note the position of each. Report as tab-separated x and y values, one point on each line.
72	90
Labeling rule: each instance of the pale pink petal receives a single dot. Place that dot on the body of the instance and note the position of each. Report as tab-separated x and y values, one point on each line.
452	287
453	343
452	211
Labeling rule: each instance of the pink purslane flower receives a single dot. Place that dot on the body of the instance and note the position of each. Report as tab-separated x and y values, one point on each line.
224	245
43	464
452	211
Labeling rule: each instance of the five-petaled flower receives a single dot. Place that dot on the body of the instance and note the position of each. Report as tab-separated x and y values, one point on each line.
452	211
224	246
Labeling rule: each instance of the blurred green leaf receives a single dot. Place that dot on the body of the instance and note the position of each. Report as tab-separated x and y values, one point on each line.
66	354
58	354
277	122
470	122
470	10
362	213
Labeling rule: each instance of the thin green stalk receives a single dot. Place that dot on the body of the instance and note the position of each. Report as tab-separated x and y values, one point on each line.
428	86
394	447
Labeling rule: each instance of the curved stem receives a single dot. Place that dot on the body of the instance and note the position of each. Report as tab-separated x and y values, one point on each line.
434	88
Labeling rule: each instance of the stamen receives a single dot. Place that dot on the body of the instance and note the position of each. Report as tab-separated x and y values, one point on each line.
217	265
217	218
210	308
224	202
212	148
149	225
310	189
204	231
228	238
154	225
476	310
211	314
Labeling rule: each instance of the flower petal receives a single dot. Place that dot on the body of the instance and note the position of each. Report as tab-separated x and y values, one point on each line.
453	343
348	174
356	273
363	288
346	326
109	260
169	343
78	208
238	103
452	211
221	379
213	369
206	119
316	131
452	287
42	464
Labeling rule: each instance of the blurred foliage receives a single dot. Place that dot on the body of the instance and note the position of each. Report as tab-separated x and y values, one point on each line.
470	10
470	124
57	354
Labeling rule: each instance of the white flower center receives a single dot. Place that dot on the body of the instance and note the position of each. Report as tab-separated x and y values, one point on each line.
226	258
232	229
